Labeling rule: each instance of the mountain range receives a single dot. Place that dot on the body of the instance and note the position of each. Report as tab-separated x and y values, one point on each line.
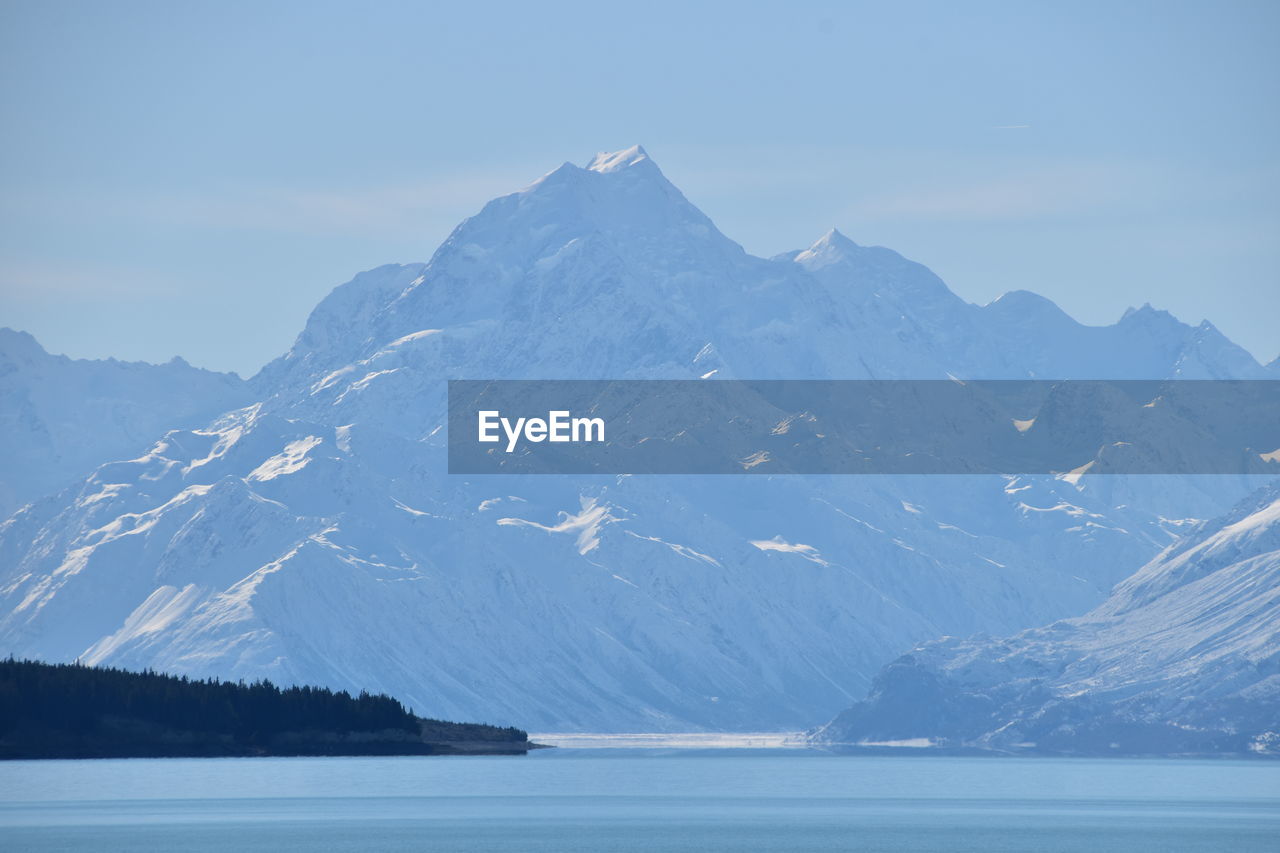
308	531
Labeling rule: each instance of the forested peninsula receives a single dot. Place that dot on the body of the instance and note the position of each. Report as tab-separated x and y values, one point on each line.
76	711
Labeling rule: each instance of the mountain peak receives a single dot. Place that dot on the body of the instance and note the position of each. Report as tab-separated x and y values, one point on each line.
828	249
834	237
1147	313
15	341
1026	303
615	161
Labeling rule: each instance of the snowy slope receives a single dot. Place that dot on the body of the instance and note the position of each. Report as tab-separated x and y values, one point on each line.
61	417
315	536
1183	657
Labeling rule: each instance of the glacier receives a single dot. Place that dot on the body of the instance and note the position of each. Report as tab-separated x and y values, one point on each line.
311	533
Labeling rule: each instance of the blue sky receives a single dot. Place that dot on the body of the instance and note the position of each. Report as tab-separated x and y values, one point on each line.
191	178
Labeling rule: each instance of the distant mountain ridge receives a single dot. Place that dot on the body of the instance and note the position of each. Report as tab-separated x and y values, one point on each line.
314	536
620	275
60	418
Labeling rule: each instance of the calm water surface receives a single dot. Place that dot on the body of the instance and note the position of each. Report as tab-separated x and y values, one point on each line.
633	800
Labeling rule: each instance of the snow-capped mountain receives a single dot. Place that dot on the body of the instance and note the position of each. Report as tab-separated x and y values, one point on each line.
60	417
1183	657
315	536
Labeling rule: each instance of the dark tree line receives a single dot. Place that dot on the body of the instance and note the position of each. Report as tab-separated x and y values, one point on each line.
65	709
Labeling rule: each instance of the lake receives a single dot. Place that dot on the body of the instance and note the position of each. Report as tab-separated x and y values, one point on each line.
655	799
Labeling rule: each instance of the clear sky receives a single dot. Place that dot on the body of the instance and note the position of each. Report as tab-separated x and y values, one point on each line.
191	178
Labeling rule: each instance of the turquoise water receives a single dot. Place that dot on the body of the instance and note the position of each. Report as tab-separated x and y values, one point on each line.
634	800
